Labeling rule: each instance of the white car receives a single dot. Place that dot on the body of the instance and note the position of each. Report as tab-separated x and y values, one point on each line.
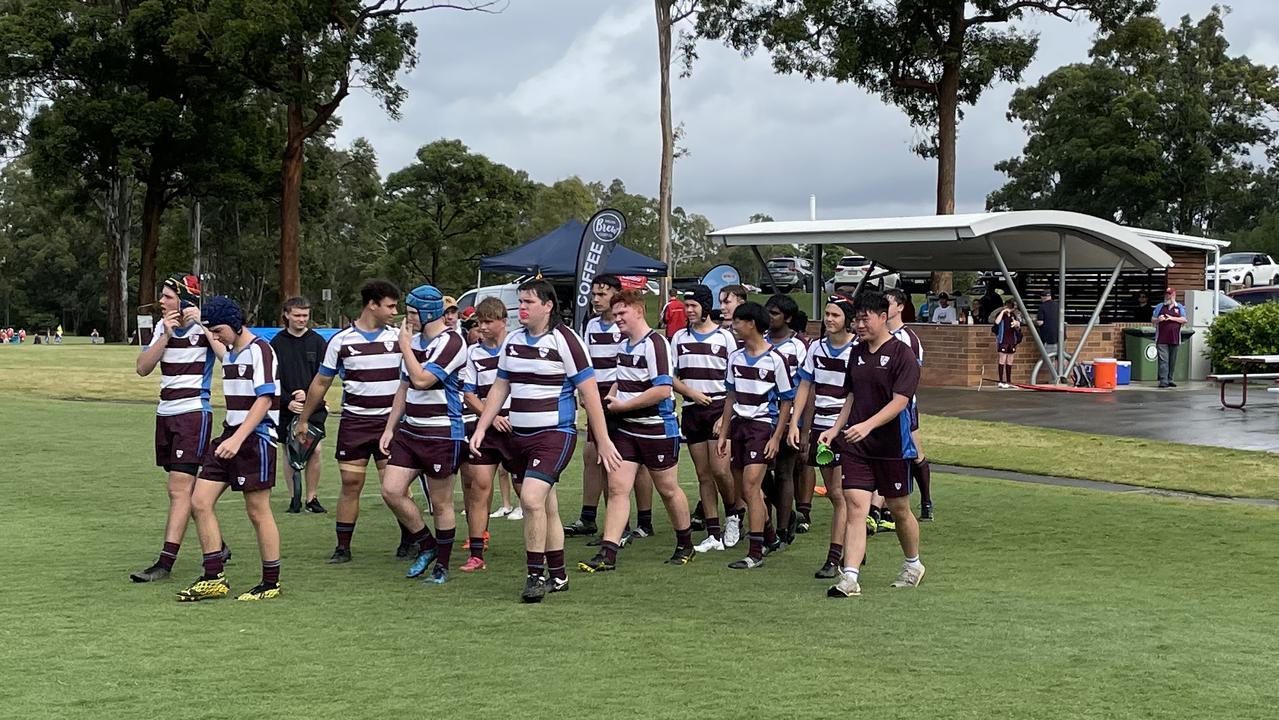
851	268
509	294
1245	269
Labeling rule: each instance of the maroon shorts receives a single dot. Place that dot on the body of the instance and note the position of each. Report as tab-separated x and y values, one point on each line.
182	439
890	478
542	455
495	450
436	458
697	422
252	468
810	457
358	438
748	438
654	453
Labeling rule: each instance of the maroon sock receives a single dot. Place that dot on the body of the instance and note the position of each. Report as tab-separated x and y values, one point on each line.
609	550
168	554
271	572
536	562
476	546
423	539
770	533
555	564
644	519
713	528
804	509
684	538
214	562
835	553
444	539
757	546
345	531
923	472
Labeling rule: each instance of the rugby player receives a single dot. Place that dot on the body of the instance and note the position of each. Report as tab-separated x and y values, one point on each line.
367	356
243	457
701	361
425	430
730	296
920	469
645	432
787	471
184	418
822	381
756	413
478	375
873	436
541	365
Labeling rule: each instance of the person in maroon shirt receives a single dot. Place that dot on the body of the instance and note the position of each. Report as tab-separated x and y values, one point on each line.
872	435
1169	316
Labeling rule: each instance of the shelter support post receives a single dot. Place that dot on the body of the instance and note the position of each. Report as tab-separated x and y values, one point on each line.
819	286
1021	304
1092	321
1061	306
772	283
1216	282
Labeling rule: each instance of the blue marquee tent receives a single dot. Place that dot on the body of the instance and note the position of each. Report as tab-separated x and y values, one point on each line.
554	255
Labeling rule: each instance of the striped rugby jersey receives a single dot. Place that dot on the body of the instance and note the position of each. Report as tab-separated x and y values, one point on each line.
794	349
544	371
369	365
639	367
603	343
186	371
701	361
480	371
825	367
758	383
246	376
437	411
909	337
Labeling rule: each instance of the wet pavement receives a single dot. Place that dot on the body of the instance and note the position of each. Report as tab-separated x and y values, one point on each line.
1188	414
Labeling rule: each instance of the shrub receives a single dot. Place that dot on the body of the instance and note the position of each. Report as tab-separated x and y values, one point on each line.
1250	330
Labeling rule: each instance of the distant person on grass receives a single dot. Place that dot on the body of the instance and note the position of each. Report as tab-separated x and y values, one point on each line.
1007	329
299	350
1169	316
674	316
243	457
875	453
184	418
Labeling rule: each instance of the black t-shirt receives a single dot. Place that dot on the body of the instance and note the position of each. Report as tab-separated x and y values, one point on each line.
1048	314
872	380
299	360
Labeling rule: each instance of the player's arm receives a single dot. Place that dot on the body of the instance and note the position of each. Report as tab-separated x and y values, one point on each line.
805	415
267	393
320	385
393	419
657	357
887	414
609	457
149	358
419	375
725	419
826	438
648	398
473	402
492	406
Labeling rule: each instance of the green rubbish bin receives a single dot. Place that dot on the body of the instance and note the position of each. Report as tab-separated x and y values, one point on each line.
1139	349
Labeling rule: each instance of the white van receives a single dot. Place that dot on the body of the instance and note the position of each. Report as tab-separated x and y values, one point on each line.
509	294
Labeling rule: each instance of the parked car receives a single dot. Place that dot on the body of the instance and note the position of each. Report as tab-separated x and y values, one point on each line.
509	294
851	268
1245	269
1253	295
790	273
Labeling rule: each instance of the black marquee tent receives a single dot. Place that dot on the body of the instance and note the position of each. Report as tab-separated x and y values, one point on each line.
554	255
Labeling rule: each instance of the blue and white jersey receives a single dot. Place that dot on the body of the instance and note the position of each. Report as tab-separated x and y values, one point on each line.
437	411
369	365
186	370
246	376
544	372
794	349
825	367
641	366
758	384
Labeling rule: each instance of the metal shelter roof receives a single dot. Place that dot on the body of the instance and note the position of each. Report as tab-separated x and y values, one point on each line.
1029	240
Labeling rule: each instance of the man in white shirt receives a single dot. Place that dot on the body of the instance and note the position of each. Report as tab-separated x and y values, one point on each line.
944	313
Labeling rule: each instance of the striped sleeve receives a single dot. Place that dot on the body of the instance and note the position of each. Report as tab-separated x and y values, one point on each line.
577	362
332	357
658	358
447	358
264	368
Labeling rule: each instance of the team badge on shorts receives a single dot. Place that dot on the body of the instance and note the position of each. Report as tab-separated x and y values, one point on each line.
240	480
436	467
178	453
536	462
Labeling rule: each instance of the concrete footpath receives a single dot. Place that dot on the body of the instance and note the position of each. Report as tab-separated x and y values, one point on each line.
1190	414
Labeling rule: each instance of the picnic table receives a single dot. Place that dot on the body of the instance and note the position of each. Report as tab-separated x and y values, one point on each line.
1247	364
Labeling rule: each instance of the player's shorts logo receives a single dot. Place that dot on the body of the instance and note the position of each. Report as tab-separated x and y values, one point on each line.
536	462
437	467
240	480
860	361
897	486
178	453
753	454
661	458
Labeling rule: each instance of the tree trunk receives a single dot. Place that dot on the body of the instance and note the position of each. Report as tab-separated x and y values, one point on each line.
947	122
291	195
663	8
152	213
117	210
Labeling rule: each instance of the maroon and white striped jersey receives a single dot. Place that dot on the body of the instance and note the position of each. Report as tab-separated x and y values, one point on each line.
602	344
369	365
759	383
544	372
641	366
909	337
186	370
701	361
480	371
825	367
794	349
437	410
246	376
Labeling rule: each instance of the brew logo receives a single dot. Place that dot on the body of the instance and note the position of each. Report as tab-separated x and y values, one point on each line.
607	227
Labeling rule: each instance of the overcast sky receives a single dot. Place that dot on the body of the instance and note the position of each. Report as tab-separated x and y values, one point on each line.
569	87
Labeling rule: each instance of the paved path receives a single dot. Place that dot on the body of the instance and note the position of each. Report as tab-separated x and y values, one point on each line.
1190	415
1095	485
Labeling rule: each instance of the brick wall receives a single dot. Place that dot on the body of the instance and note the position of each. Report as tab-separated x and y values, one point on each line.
955	355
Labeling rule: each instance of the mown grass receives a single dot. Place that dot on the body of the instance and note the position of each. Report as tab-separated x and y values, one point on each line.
1040	602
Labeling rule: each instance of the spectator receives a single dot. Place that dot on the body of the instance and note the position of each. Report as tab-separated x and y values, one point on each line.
1006	325
299	350
22	335
944	314
674	316
451	314
989	304
908	309
926	306
1169	316
1046	321
94	337
37	340
57	335
1144	312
